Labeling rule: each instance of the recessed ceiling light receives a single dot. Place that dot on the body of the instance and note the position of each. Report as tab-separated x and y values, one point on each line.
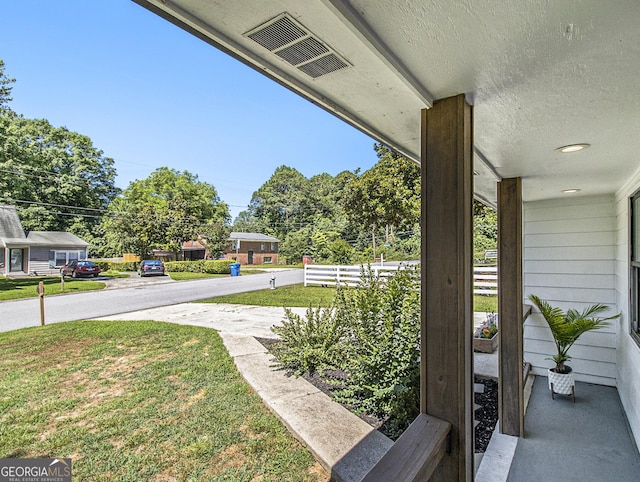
570	191
573	148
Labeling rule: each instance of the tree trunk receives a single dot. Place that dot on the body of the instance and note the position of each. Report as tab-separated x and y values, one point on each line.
374	242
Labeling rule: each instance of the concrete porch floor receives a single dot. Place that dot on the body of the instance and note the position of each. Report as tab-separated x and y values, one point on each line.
589	440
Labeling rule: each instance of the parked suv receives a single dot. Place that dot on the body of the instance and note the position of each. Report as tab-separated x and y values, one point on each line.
151	266
77	268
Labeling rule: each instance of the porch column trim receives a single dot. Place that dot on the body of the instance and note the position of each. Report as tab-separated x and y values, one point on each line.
510	310
447	273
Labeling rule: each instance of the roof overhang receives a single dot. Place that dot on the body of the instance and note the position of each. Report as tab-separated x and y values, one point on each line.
540	75
15	243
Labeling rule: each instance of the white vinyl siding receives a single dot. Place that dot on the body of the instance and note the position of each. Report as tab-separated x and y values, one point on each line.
628	351
569	261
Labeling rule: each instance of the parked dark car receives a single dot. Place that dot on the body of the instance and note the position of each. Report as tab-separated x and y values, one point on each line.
77	268
150	267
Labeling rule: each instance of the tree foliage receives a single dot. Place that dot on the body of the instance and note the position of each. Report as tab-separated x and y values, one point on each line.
386	194
164	210
279	204
485	229
47	168
5	88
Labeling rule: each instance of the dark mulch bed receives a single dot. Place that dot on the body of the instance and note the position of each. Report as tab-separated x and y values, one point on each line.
487	414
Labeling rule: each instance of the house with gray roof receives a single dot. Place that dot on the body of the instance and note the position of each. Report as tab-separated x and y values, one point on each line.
14	246
252	248
40	252
50	250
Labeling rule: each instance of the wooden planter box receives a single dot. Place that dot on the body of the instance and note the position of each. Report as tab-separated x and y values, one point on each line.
485	345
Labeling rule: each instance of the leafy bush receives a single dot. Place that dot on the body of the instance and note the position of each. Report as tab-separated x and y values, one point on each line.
106	265
371	333
341	252
309	344
382	354
122	266
185	266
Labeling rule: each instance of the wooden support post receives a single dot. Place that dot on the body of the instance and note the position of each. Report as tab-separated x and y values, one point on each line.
510	311
447	279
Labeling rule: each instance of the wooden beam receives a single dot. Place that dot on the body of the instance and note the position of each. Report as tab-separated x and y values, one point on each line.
510	308
415	455
447	279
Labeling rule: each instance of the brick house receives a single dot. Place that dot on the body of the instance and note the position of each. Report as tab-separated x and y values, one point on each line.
252	248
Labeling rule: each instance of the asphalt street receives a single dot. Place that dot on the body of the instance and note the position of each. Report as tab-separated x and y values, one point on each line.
17	314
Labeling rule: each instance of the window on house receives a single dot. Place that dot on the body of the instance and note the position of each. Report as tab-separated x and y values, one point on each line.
273	247
267	260
60	258
261	246
634	309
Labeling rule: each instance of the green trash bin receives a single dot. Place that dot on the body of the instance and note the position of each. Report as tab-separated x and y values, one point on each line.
235	269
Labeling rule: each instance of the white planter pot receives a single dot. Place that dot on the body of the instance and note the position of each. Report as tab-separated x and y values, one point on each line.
561	383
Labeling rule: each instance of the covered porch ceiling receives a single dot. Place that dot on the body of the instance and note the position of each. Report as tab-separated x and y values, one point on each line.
540	74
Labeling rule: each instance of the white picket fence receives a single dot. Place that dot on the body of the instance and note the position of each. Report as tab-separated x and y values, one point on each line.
485	279
333	275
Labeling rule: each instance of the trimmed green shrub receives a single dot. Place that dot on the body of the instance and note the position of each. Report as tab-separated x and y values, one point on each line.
106	265
122	266
218	266
185	266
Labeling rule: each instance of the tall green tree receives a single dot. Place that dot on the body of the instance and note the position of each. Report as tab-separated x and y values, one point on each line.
246	223
56	176
58	180
388	194
164	210
280	204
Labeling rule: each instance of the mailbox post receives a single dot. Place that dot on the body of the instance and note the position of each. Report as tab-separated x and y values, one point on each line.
40	291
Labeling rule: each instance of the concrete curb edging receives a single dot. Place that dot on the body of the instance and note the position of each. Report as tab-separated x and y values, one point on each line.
345	445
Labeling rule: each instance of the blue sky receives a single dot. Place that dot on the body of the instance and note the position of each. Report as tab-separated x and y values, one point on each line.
150	95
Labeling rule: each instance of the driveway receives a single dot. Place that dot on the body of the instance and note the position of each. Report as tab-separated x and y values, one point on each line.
133	280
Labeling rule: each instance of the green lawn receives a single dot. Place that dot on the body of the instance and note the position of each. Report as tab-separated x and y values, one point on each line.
289	296
11	289
130	400
299	296
488	303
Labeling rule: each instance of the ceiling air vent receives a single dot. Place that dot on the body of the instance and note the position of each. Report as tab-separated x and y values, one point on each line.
294	44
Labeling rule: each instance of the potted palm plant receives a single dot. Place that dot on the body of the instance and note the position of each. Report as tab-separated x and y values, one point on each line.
566	328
